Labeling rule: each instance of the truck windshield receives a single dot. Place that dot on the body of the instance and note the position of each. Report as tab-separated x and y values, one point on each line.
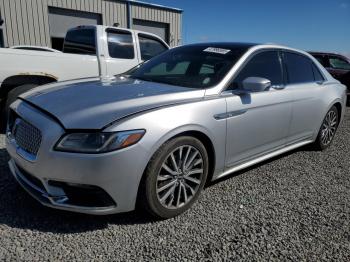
194	66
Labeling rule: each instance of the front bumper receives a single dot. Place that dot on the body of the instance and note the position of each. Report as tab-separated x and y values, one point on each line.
116	174
59	201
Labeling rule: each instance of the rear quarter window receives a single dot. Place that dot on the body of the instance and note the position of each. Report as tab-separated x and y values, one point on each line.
317	74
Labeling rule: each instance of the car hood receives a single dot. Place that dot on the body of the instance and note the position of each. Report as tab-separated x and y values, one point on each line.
96	103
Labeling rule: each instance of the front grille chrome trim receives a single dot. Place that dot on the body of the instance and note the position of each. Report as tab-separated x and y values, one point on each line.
24	154
27	141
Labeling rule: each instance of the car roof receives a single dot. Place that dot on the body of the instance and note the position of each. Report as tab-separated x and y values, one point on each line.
227	45
324	53
248	46
232	45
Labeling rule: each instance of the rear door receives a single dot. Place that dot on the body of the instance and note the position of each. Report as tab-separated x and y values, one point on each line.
257	122
305	81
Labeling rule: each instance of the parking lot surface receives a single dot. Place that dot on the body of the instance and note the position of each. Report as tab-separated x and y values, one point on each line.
296	206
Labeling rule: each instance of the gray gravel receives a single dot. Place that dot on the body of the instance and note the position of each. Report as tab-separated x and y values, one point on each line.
295	207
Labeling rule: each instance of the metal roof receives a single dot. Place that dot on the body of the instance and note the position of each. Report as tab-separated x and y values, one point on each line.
154	5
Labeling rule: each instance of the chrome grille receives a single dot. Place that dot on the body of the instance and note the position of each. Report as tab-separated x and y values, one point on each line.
27	136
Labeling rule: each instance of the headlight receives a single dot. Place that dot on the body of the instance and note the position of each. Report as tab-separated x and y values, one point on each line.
98	142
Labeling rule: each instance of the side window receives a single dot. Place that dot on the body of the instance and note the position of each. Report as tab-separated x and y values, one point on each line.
266	65
339	63
299	68
150	47
80	41
317	74
120	44
320	59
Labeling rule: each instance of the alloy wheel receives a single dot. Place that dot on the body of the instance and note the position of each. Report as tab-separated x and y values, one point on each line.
180	177
329	127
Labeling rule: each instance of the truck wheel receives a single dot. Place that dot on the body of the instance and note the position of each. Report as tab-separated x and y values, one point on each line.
14	93
11	97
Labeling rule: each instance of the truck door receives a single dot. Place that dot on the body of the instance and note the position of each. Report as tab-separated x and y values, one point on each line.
150	46
121	53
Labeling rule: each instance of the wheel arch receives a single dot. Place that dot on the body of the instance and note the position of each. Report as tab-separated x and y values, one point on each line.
339	108
209	146
195	132
23	79
202	134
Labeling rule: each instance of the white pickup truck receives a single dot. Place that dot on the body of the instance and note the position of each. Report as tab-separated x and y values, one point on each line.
88	51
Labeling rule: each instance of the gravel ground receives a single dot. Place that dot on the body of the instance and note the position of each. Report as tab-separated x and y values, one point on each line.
294	207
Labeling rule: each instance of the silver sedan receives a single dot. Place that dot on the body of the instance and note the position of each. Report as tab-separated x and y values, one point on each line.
153	137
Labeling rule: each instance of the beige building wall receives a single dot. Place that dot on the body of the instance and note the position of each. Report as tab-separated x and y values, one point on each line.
26	22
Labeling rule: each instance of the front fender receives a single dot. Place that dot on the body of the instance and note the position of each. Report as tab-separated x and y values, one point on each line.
165	123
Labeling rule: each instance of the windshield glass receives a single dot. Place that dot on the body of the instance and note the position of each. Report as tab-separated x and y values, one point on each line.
194	66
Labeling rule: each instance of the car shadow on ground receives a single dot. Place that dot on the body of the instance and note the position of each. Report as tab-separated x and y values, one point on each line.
19	210
306	148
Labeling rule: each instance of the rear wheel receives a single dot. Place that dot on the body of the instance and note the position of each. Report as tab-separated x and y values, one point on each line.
14	93
11	97
328	129
174	177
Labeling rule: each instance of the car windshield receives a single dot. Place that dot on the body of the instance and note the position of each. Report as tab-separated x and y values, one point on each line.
194	66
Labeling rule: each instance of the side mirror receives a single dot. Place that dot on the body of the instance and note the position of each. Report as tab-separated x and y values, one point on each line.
256	84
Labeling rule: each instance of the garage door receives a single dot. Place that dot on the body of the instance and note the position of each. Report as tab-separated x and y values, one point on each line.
160	29
60	20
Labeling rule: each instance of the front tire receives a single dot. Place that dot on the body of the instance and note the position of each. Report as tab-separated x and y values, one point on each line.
328	129
174	177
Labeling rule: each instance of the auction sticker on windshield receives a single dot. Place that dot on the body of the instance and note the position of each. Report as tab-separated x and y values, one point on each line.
217	50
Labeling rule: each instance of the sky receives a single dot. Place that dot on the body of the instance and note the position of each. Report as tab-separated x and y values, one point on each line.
312	25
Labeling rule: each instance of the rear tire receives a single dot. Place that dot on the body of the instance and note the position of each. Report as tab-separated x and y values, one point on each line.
11	97
174	177
328	129
14	93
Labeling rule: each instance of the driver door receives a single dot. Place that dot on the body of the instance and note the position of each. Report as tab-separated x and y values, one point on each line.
257	122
